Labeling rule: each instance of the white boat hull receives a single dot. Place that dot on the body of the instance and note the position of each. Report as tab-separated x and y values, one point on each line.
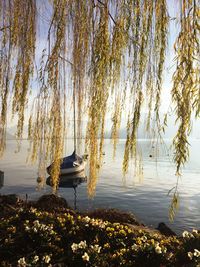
75	169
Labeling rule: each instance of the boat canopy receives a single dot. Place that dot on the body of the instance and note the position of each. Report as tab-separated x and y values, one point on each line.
71	161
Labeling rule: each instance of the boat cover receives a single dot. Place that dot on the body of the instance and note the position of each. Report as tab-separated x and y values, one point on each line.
69	162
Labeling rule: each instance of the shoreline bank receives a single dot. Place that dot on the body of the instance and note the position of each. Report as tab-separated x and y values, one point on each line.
56	235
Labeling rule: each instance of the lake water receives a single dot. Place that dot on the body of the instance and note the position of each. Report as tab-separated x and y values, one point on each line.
147	196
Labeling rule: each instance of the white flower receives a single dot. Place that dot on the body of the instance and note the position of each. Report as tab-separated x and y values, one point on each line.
164	250
190	255
96	248
196	253
35	230
82	244
46	258
33	210
27	228
36	223
156	243
22	262
144	238
170	255
195	231
185	234
101	224
134	247
86	219
85	257
35	259
74	247
158	249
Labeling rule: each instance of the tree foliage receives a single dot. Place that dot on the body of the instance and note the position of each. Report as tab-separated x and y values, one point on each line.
100	50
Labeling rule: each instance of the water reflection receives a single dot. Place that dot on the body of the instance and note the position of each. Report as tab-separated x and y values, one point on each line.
70	181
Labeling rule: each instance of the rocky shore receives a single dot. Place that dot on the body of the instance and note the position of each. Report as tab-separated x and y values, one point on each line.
48	232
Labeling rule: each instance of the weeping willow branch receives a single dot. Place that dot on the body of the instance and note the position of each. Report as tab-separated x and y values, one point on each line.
185	90
112	49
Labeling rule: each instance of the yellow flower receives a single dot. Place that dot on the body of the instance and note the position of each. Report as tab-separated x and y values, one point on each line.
123	250
122	232
152	241
107	245
139	242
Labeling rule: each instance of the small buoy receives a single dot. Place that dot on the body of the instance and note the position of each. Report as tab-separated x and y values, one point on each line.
150	156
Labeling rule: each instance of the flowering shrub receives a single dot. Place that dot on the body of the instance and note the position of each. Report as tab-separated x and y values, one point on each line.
39	238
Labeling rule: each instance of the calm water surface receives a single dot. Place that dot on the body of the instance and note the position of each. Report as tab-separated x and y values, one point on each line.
145	195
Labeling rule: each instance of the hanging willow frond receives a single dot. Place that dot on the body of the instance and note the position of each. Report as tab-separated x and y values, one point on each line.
98	92
116	119
81	39
185	79
23	37
160	44
127	149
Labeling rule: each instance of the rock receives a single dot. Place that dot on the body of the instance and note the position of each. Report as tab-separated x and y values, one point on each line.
11	199
165	230
50	202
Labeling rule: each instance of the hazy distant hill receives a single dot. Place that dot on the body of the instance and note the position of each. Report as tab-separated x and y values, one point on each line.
170	130
142	133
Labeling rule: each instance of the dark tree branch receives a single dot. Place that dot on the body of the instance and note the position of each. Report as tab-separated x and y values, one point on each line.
99	1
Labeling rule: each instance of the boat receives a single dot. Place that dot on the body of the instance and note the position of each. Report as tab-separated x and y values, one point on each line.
74	163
